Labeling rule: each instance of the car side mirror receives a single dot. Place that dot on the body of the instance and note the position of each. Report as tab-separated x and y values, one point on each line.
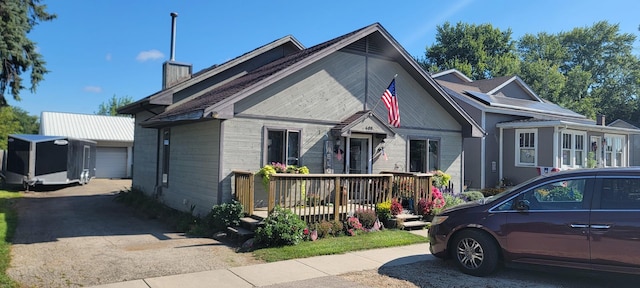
522	205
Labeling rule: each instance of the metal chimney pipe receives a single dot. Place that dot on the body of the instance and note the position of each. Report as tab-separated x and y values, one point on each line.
173	35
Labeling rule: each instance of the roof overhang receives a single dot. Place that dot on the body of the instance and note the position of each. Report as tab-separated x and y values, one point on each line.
363	122
567	125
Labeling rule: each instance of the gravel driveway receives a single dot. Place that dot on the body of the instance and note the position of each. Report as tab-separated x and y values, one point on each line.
78	236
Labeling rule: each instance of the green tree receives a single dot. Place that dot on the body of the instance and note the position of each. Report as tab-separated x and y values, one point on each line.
29	124
110	107
18	54
601	74
8	125
478	51
590	70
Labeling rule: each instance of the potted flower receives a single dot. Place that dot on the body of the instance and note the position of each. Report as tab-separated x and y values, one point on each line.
275	167
440	179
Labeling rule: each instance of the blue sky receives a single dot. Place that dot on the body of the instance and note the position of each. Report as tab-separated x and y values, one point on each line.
100	48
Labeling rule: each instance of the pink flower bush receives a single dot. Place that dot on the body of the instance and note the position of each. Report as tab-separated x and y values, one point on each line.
425	207
353	226
396	207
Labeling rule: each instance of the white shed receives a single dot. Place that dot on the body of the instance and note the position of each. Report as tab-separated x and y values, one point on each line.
113	134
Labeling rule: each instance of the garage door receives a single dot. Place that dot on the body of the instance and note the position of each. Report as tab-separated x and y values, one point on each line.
111	162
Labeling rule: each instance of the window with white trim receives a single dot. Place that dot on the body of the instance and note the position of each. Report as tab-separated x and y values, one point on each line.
283	146
526	147
573	149
614	151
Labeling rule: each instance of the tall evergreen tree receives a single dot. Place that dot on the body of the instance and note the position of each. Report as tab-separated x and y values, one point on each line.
18	54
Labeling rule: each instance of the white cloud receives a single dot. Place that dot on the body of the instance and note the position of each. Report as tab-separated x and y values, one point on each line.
92	89
152	54
108	57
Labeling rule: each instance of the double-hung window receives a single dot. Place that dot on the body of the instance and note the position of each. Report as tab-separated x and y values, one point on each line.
573	149
526	147
283	146
614	151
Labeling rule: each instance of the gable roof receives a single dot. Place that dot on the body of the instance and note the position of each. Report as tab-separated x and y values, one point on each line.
218	101
164	97
454	73
484	94
363	121
86	126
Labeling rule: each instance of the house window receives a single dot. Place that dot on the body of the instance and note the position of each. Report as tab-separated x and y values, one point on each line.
573	149
166	136
526	147
423	155
614	151
283	146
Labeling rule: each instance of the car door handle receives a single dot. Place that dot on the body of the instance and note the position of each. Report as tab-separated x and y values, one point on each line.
600	226
579	226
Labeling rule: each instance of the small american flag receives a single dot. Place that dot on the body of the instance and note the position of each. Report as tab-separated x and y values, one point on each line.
390	100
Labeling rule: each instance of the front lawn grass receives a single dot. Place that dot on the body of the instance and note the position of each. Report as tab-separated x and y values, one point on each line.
8	222
340	245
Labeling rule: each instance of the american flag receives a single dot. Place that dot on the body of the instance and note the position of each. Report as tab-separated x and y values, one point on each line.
390	100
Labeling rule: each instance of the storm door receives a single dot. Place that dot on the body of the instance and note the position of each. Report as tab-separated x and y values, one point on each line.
359	154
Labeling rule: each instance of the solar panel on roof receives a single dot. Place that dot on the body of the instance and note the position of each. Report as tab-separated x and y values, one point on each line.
521	104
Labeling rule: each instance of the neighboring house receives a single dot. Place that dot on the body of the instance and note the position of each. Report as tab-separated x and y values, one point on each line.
318	107
113	135
634	142
526	135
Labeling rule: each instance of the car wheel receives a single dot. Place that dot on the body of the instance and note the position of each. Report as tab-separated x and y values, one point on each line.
475	253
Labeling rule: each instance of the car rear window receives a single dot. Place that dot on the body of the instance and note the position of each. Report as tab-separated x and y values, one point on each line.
620	193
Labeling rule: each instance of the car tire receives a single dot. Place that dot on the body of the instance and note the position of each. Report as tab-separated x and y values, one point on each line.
475	253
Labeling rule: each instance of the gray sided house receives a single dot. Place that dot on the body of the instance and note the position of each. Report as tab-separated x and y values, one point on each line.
113	136
318	107
528	136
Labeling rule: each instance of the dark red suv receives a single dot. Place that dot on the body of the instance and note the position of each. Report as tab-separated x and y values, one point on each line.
588	219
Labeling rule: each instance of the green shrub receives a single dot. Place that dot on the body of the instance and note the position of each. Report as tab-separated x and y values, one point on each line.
367	217
473	195
224	215
450	201
282	227
337	227
323	227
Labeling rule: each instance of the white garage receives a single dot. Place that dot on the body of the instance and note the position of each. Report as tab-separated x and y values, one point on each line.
113	135
111	162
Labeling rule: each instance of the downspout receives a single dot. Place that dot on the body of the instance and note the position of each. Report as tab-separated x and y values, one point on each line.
500	156
220	158
556	143
483	154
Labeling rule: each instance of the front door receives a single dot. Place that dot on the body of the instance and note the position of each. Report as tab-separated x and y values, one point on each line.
359	154
596	155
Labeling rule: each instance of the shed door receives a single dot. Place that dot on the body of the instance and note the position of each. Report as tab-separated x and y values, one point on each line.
111	162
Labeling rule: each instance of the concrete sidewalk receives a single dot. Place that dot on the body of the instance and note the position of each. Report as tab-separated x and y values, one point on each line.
289	270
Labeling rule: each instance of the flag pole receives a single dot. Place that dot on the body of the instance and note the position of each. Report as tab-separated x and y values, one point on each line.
380	98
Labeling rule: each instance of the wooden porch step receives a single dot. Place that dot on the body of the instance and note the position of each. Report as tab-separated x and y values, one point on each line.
414	224
250	223
240	233
408	217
